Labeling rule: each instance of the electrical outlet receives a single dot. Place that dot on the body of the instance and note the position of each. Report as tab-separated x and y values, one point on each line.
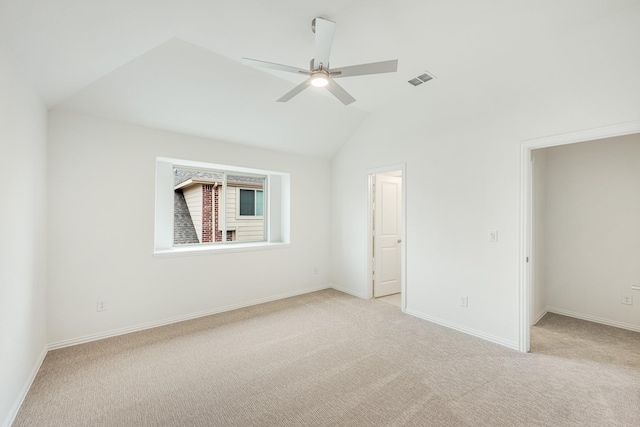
101	305
627	299
493	236
315	271
464	301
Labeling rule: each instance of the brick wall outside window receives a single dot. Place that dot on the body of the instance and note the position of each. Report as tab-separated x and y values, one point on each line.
207	226
216	198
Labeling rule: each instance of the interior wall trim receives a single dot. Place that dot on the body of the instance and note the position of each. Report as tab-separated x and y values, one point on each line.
349	291
367	221
540	316
25	389
594	319
469	331
176	319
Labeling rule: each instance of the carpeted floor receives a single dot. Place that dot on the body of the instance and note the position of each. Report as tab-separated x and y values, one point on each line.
329	359
394	299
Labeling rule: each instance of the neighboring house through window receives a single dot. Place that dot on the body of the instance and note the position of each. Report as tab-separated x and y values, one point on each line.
217	204
223	206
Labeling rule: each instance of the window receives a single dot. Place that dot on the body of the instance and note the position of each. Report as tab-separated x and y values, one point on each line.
251	202
203	206
217	206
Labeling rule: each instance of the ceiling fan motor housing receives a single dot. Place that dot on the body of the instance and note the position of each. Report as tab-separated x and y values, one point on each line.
319	67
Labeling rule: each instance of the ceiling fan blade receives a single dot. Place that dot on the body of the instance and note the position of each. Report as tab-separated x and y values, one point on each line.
296	90
364	69
324	38
340	93
274	66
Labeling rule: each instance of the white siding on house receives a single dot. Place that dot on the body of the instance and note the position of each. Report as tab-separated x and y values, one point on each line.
246	229
193	196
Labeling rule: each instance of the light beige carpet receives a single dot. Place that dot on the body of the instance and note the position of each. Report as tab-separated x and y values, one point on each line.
329	359
395	299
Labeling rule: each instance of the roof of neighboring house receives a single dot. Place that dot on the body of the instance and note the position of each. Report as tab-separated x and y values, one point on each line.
181	175
184	231
191	181
237	179
183	178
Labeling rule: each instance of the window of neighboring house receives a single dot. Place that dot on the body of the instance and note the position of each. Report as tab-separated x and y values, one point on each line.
204	207
251	202
245	206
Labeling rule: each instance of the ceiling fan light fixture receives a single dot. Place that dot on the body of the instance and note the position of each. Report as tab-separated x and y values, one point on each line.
319	80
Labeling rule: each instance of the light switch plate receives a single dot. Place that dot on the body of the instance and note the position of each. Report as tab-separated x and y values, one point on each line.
493	236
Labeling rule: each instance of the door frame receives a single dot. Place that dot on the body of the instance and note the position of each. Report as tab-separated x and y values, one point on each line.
403	232
526	211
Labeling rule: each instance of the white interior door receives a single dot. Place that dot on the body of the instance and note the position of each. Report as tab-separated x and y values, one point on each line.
387	235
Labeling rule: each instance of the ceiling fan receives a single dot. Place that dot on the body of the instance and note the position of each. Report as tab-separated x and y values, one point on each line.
320	75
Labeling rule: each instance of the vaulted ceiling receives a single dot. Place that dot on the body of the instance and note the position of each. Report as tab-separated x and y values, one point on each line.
175	65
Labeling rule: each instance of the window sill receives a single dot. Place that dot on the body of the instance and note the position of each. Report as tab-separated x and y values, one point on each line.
217	249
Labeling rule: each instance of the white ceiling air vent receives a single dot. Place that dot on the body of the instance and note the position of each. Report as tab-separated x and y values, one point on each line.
422	78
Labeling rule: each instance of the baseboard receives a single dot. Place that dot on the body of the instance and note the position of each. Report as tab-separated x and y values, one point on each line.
540	316
594	319
155	324
25	389
348	291
464	329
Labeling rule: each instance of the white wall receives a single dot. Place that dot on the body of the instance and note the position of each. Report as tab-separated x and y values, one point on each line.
101	230
593	228
539	241
23	188
460	136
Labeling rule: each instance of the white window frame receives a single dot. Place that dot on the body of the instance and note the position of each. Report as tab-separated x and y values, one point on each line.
276	210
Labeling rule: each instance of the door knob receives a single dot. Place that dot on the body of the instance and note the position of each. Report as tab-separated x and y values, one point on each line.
399	241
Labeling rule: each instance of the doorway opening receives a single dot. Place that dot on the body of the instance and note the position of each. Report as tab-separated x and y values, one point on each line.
585	301
386	235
